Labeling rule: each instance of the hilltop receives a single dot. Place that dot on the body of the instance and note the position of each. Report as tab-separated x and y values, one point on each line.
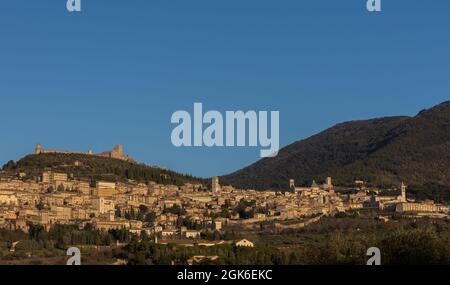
84	166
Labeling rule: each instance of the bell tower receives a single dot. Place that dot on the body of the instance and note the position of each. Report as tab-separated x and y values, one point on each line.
292	185
403	194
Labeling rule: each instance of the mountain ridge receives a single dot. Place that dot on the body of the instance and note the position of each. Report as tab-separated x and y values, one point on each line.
382	151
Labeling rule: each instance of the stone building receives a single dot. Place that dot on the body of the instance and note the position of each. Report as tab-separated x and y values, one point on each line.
54	178
40	150
111	225
416	207
8	198
103	205
105	189
117	153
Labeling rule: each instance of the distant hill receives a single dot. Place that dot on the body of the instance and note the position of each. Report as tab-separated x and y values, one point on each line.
85	166
382	151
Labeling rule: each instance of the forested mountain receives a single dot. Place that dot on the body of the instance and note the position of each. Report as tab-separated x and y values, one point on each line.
382	151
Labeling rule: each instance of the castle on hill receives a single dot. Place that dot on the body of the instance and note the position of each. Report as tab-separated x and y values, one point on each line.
116	152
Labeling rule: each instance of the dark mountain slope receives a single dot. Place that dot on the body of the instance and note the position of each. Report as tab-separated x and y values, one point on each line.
420	154
381	151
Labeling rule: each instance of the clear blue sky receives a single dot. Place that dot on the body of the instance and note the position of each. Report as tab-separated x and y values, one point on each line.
117	71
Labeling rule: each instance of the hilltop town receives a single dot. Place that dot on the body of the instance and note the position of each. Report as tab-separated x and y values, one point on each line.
185	214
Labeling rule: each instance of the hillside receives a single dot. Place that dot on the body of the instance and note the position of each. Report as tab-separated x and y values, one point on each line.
98	168
382	151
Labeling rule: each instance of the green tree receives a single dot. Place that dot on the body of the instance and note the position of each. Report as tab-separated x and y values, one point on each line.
60	188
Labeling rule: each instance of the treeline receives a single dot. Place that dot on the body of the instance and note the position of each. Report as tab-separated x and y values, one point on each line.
343	242
432	191
409	246
146	252
65	236
143	214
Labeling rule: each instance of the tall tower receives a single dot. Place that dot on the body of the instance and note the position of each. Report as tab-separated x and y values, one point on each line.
215	185
329	182
403	195
118	149
292	185
38	149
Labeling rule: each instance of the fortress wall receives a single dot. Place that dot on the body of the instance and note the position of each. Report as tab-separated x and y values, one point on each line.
116	153
49	151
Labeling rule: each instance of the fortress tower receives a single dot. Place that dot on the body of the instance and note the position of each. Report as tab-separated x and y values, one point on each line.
118	150
117	153
38	149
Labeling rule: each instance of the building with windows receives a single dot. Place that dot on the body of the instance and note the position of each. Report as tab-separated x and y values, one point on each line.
105	189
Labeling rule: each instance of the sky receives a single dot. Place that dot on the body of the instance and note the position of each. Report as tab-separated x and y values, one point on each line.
116	72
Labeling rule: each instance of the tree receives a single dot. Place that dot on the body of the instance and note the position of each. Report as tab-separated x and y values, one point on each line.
118	213
175	209
40	206
10	165
35	232
150	217
416	246
225	213
60	188
144	209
